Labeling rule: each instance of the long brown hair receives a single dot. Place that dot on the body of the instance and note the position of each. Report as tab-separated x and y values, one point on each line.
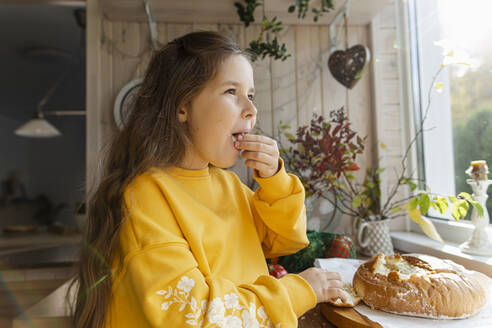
153	137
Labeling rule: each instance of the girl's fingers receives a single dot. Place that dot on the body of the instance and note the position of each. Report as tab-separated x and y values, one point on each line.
334	284
262	153
260	161
258	138
258	165
257	147
258	156
334	287
336	293
332	276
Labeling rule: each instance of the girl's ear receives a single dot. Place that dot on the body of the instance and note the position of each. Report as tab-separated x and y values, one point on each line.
182	115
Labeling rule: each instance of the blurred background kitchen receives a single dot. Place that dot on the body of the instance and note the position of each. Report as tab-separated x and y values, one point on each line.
42	145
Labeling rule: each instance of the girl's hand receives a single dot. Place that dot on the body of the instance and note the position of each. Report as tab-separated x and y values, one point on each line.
328	286
262	153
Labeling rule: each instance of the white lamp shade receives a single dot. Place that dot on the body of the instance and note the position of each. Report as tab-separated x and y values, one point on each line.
37	128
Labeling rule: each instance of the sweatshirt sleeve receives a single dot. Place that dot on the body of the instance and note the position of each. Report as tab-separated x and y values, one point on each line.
279	213
167	285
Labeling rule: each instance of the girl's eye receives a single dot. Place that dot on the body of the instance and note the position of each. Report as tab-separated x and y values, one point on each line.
233	92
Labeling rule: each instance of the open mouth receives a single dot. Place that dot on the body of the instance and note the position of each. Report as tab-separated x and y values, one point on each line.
235	138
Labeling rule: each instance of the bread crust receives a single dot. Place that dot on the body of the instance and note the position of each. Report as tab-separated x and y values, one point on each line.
437	289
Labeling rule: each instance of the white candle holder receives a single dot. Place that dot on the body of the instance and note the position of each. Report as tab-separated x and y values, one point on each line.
479	244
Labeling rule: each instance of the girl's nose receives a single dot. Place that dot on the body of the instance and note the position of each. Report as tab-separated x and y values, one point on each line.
249	110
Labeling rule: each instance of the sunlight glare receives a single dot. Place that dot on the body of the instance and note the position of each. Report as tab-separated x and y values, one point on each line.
467	24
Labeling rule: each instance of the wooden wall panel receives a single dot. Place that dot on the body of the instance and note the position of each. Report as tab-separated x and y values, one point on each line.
235	31
176	30
387	106
205	27
308	73
126	53
359	100
334	93
106	88
162	33
224	11
284	88
93	97
144	48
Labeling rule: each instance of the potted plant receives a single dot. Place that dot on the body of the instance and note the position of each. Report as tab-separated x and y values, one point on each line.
323	156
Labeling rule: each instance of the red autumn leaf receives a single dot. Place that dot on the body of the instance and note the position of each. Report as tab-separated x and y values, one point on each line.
326	151
352	167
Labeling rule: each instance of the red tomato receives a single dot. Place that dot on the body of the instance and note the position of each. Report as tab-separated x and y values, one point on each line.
276	270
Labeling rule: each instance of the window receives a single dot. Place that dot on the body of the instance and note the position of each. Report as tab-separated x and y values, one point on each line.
458	124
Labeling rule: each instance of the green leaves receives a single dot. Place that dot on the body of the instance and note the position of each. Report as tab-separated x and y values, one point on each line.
459	205
290	137
246	13
440	204
274	49
427	226
412	205
323	155
367	202
424	203
476	205
408	182
418	205
302	7
396	209
267	43
356	201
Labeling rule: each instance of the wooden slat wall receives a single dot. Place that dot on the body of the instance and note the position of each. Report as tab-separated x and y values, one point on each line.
223	11
289	91
388	118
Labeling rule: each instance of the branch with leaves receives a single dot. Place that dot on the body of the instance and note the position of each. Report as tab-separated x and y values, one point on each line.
323	156
267	43
422	201
302	7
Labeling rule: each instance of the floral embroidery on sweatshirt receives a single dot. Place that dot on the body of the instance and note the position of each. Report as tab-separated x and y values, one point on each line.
218	313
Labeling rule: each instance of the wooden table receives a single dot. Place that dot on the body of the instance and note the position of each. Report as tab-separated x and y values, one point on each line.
314	319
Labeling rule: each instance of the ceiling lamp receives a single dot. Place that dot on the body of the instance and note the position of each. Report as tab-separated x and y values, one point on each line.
38	126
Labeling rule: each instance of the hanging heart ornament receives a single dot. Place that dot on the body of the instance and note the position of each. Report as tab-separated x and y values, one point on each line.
348	66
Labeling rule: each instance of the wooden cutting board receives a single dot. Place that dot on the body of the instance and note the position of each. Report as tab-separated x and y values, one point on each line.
346	317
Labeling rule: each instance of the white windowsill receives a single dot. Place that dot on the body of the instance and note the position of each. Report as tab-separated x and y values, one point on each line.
411	242
450	230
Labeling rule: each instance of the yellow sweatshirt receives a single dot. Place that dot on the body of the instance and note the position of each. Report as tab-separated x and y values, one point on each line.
194	246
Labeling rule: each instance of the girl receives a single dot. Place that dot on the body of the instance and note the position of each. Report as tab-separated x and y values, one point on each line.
173	239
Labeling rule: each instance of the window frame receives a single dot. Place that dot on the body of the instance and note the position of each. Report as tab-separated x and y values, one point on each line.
410	99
